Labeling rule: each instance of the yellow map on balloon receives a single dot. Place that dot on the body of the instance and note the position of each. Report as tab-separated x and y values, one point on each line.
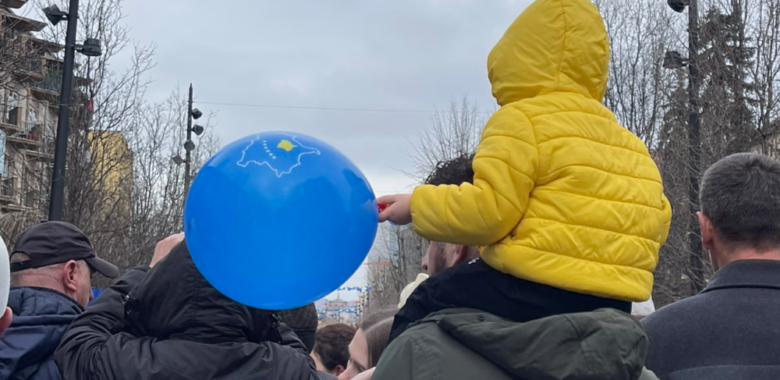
286	145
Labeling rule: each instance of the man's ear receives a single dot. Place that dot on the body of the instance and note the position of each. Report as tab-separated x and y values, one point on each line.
707	231
338	370
426	256
461	254
70	276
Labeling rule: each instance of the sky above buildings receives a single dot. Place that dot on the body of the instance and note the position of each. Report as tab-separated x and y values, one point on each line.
404	57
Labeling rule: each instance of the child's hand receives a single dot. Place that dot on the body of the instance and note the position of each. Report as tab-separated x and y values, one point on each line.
398	209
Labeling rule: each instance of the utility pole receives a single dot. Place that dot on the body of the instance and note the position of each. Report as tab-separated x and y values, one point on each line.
674	60
188	146
694	147
91	48
63	117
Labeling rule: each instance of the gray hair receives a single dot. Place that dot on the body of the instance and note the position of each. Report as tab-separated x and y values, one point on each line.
740	194
39	277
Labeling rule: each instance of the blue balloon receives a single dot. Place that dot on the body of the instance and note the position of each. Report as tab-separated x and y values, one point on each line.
279	220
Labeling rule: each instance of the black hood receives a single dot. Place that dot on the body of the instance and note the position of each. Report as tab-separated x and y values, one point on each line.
174	301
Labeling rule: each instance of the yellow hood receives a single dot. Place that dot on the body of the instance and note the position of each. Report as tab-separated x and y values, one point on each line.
553	46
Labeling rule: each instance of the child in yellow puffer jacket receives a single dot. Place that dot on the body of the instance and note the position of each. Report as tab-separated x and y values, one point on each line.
563	196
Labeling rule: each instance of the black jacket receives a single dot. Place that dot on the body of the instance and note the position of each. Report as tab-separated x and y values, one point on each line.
41	317
171	324
477	285
728	331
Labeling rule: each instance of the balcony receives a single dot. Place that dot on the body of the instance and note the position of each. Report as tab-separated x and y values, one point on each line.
13	199
49	87
30	69
13	4
19	23
28	138
35	155
10	119
26	142
8	191
45	154
45	46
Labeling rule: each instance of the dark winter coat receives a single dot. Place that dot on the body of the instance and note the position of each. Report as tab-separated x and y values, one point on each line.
41	317
728	331
171	324
470	344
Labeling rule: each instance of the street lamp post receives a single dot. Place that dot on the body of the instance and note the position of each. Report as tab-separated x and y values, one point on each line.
694	145
694	138
90	48
189	145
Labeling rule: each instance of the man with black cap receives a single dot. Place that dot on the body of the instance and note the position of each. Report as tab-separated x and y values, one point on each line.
51	266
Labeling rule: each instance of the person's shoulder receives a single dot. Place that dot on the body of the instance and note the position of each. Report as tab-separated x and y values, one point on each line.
418	353
33	301
423	339
680	311
421	333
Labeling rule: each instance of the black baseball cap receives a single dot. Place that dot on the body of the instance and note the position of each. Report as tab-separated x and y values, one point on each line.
54	242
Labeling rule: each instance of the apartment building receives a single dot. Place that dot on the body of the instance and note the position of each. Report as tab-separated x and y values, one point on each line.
30	84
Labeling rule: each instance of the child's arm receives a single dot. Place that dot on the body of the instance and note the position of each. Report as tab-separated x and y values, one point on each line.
481	214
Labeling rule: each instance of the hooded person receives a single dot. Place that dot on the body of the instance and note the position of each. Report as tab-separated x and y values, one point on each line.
172	324
564	198
570	211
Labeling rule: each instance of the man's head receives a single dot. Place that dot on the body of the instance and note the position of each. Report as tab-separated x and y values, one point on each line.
331	350
302	321
740	209
57	256
5	283
440	256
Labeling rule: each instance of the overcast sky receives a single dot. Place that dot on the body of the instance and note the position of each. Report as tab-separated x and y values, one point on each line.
392	55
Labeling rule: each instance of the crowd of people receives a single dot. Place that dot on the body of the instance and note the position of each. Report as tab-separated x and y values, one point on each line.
543	243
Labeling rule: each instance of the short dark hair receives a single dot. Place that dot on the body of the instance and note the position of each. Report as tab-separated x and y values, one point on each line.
740	194
332	345
453	172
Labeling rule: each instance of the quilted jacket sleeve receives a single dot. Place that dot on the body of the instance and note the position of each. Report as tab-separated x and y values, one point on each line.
481	214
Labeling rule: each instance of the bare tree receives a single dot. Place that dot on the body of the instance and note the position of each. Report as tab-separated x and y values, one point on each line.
639	37
763	27
158	183
452	133
122	188
394	262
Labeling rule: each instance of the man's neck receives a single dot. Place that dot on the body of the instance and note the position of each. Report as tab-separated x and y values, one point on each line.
751	254
38	281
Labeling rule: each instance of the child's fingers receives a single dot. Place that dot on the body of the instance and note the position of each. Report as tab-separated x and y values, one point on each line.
386	200
384	216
